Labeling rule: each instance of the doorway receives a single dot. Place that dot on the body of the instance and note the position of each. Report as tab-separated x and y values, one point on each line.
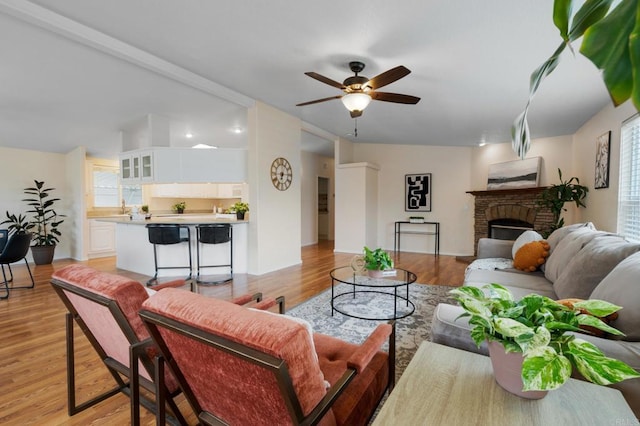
323	208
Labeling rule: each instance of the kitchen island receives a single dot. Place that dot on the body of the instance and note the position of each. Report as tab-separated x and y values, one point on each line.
135	253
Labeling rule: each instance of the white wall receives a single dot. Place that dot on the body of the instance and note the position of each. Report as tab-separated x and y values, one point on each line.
18	171
602	204
451	206
275	225
314	166
76	183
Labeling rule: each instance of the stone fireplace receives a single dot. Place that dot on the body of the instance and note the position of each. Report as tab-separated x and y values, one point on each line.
506	213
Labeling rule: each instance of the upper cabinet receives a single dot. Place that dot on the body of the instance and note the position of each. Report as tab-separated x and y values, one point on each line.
183	165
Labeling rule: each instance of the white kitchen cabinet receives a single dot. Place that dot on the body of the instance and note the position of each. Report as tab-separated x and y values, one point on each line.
102	239
136	167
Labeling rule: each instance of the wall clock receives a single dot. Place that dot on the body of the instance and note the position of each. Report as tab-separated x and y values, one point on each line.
281	173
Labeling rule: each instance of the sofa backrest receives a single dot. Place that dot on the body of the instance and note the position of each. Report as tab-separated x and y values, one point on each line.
622	287
227	382
566	248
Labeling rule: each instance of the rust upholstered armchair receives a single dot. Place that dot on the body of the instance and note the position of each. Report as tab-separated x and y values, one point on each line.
105	306
241	366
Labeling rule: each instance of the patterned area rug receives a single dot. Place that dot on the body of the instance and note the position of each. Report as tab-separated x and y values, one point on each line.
410	331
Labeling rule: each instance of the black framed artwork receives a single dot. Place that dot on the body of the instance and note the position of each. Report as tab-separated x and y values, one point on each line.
603	145
417	192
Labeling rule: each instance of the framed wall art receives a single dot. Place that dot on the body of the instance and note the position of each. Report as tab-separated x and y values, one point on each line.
515	174
603	144
417	192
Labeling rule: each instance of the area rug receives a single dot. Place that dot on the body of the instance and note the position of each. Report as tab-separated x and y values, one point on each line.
410	331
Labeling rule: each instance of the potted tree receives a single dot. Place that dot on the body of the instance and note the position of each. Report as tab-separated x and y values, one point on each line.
240	208
17	224
377	261
555	197
44	223
532	332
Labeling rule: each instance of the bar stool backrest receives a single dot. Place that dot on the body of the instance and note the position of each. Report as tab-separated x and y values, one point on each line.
215	234
165	234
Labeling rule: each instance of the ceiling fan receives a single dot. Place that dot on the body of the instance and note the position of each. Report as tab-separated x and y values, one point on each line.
360	90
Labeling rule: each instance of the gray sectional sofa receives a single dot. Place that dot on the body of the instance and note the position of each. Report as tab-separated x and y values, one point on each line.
583	263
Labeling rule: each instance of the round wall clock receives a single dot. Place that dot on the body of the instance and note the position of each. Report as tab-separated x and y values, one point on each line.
281	173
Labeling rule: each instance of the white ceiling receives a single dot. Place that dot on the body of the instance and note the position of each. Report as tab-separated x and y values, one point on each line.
62	86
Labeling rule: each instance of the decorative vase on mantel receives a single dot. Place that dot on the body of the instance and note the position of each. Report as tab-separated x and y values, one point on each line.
507	369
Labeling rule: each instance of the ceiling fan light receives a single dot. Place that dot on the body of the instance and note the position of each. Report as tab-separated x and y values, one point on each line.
356	101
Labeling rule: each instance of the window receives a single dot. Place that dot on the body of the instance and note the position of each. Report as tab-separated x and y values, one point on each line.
629	191
108	193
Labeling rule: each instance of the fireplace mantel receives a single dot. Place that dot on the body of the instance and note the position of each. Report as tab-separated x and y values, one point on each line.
511	191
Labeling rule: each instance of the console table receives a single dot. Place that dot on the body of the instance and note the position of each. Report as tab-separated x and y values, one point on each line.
435	230
447	386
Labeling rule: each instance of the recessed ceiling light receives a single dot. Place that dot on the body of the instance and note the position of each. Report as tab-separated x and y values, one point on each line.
189	135
204	146
237	130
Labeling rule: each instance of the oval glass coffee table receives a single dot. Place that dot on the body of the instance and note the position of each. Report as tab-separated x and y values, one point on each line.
350	287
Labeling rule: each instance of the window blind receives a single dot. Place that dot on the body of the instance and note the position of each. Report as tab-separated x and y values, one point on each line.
629	189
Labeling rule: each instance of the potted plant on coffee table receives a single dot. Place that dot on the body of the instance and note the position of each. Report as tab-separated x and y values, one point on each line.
532	332
44	223
377	261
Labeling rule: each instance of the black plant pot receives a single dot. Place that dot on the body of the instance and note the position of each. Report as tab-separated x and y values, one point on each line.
240	215
42	255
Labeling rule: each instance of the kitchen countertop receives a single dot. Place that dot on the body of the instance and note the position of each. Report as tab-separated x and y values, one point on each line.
180	219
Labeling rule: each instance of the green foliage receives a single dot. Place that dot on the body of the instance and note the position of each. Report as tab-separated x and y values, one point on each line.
17	224
377	259
240	207
611	41
45	219
179	207
536	326
555	197
144	208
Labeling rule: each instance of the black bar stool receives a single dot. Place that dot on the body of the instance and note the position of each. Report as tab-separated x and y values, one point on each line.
215	233
166	234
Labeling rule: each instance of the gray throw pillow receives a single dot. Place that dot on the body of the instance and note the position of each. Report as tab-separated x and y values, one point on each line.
622	287
589	267
559	234
566	249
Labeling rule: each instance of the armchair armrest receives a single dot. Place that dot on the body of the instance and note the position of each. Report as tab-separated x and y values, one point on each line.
363	355
169	284
246	298
491	247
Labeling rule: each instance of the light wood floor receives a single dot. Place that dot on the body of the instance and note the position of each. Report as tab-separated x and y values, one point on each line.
32	336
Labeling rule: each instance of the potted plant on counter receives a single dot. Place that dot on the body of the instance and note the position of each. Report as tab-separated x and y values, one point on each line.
377	261
179	207
240	208
528	338
45	222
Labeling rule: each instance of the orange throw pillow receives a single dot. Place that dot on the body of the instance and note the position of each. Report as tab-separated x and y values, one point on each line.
531	255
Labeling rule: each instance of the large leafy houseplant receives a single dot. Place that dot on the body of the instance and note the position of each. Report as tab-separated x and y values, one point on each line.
45	220
377	260
555	196
537	327
17	223
610	39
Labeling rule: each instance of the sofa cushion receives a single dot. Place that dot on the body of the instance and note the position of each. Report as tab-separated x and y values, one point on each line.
526	282
622	287
524	238
591	264
559	234
566	249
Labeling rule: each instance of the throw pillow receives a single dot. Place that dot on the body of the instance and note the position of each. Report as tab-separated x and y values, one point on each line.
592	330
590	265
559	234
531	256
622	287
524	238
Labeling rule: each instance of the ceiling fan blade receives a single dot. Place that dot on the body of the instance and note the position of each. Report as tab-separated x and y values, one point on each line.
325	80
388	77
394	97
355	114
319	100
